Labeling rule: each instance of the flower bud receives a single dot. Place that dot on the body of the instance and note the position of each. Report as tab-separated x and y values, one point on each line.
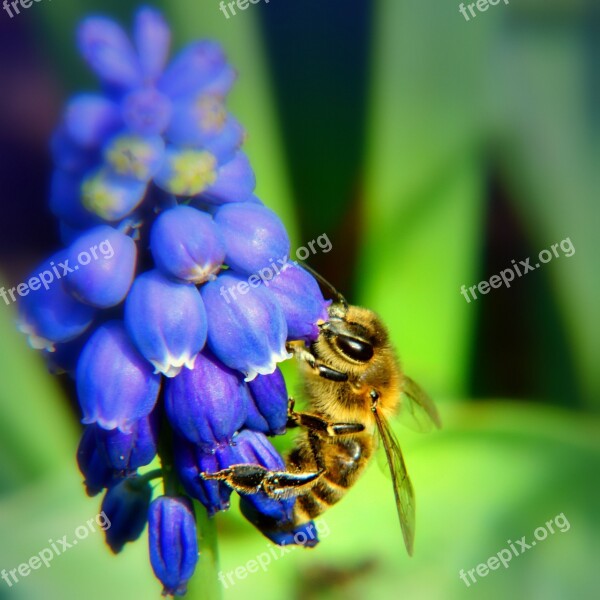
126	506
173	543
234	182
267	408
129	451
190	461
47	312
115	384
255	238
152	39
282	533
111	196
208	403
302	302
166	321
251	447
103	261
66	200
89	119
247	329
186	244
92	463
110	54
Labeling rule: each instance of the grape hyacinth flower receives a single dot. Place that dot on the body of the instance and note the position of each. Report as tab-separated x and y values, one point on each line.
174	340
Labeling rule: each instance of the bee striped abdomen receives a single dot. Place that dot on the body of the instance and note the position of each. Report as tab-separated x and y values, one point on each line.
344	461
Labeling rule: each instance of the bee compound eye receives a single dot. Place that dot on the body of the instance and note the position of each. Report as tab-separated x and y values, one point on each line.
354	348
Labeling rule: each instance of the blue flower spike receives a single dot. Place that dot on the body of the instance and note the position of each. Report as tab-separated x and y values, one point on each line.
173	542
166	321
173	273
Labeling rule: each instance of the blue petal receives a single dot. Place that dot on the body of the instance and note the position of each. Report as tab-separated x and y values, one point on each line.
235	182
246	326
281	533
302	302
103	262
92	463
115	385
186	244
108	51
47	312
146	111
166	321
152	38
129	451
90	119
191	460
255	239
267	409
110	196
126	509
206	404
173	543
193	69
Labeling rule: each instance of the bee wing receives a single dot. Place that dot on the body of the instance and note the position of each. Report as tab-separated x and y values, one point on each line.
403	489
417	410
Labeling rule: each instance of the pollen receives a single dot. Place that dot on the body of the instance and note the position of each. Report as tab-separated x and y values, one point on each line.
193	171
131	156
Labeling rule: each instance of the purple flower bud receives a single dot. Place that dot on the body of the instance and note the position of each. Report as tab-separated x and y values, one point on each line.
89	119
190	461
126	506
206	404
193	69
92	463
135	156
302	302
267	409
234	182
103	262
251	447
173	543
47	312
108	51
152	39
129	451
255	238
187	171
186	244
115	384
166	321
111	196
146	111
247	329
282	533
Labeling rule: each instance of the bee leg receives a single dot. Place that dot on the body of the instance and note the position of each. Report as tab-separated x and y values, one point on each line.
321	426
324	371
252	479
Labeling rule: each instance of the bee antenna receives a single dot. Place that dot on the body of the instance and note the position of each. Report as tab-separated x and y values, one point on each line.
338	296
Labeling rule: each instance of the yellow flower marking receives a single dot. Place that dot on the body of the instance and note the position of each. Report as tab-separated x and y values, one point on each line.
193	172
131	156
211	113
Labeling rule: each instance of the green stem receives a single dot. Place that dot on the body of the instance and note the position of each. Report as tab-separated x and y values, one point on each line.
204	584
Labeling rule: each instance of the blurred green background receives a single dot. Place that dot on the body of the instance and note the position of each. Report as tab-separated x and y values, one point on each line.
432	151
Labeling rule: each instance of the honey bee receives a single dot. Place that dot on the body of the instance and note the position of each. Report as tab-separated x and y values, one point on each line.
354	384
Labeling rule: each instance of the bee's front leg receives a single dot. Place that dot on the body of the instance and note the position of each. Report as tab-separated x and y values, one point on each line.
252	479
320	426
303	354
